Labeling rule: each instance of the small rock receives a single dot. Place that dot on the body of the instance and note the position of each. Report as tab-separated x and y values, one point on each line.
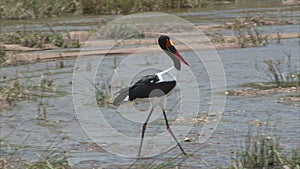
187	139
257	122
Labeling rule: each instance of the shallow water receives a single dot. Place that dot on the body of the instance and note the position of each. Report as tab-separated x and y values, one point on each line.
63	132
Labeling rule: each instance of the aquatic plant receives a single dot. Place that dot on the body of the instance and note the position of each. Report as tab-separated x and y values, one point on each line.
281	72
259	20
263	151
166	163
18	89
120	31
12	157
11	93
57	161
39	39
103	97
247	34
246	31
218	38
47	84
278	37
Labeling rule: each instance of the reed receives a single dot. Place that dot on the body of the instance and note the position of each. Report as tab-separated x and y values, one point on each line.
263	151
281	72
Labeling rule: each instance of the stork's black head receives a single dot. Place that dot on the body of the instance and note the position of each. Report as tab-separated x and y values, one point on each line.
163	40
167	45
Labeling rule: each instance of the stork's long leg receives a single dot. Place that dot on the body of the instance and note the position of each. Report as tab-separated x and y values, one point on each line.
170	131
143	131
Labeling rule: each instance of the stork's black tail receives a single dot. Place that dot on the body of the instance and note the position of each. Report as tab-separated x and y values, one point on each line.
123	93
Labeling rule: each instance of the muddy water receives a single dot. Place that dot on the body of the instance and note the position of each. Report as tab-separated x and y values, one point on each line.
62	131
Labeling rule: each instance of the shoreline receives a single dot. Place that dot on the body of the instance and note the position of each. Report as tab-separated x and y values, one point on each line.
17	53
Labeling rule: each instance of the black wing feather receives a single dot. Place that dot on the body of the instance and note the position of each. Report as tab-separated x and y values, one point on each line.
143	89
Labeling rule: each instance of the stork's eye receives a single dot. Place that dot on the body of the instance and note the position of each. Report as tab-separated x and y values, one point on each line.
170	46
169	43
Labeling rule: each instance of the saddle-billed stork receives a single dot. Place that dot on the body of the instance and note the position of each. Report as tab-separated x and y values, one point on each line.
157	85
